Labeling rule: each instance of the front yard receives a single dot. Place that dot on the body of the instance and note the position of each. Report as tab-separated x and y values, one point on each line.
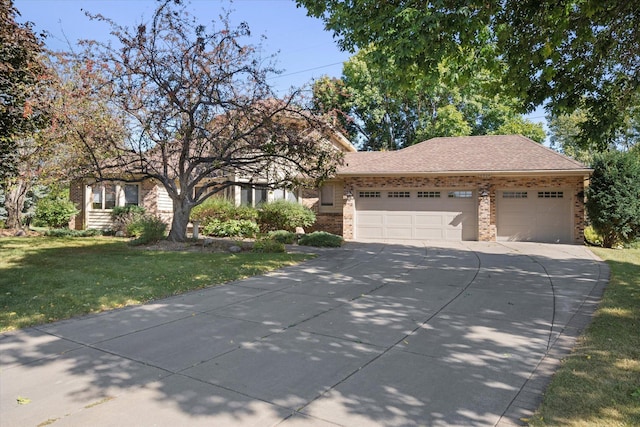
599	383
47	279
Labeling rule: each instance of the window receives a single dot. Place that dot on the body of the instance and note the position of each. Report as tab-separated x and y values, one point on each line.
460	194
550	194
253	196
103	196
514	195
398	194
131	195
369	194
96	197
260	195
326	195
246	196
428	194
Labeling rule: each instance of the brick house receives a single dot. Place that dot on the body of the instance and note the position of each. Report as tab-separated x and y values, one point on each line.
486	188
95	200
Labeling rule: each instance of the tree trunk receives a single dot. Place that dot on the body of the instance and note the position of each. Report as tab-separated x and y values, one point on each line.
181	212
14	203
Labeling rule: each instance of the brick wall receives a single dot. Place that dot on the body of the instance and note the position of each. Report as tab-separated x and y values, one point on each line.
76	195
487	230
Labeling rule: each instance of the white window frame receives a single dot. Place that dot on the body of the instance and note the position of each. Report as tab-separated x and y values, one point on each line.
398	194
515	194
118	194
428	194
369	194
550	194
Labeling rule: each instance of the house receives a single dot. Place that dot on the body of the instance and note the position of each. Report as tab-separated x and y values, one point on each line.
486	188
95	199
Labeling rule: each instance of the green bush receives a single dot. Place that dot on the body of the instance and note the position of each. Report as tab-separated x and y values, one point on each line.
321	239
284	215
231	228
66	232
282	236
221	209
124	217
55	212
613	197
268	246
152	230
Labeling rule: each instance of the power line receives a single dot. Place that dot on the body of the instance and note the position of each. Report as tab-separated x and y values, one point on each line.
307	70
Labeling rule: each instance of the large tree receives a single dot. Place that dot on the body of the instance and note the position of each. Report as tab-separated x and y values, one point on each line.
380	112
571	54
199	111
23	77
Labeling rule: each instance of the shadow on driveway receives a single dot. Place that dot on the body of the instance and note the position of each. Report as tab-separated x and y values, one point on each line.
369	334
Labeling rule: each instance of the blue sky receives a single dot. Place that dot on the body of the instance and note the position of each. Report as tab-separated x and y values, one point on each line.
306	50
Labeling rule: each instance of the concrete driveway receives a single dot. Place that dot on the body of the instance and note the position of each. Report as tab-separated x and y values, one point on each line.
371	334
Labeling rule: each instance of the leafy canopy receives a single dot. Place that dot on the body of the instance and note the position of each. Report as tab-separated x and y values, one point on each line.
569	55
380	112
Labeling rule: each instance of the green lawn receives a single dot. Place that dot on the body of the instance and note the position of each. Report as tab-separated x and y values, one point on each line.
599	383
47	279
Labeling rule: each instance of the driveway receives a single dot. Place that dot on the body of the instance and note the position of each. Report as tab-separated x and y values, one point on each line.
370	334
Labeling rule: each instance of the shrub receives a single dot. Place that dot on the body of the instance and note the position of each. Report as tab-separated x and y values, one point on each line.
284	215
66	232
124	217
268	246
152	230
282	236
221	209
613	197
321	239
592	237
55	212
231	228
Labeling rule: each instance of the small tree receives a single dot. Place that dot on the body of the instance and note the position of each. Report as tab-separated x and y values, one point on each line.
613	197
199	112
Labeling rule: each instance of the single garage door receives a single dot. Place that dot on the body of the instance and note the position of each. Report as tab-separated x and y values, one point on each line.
416	214
536	215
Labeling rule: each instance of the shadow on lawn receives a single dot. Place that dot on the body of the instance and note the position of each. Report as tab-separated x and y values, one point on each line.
369	334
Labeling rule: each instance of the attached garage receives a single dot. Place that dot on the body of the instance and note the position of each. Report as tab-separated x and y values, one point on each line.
487	188
427	214
538	215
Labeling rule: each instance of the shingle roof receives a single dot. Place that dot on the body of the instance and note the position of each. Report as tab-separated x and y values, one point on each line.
465	154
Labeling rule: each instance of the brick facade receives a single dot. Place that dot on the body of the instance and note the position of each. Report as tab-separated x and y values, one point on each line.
485	186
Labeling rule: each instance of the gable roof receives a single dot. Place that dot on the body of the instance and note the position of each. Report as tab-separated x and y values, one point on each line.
496	154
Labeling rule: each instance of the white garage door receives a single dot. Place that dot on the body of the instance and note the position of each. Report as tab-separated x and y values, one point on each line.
412	214
537	215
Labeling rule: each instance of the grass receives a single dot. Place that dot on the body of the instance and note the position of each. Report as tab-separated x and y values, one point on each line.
599	383
47	279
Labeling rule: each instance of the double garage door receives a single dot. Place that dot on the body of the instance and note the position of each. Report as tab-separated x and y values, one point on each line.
538	215
412	214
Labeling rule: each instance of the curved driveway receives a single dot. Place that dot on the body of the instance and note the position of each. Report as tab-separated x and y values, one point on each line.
370	334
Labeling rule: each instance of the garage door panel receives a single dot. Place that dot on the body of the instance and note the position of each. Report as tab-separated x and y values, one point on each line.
399	220
429	219
371	218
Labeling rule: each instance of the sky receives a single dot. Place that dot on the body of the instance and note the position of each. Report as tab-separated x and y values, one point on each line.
304	49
